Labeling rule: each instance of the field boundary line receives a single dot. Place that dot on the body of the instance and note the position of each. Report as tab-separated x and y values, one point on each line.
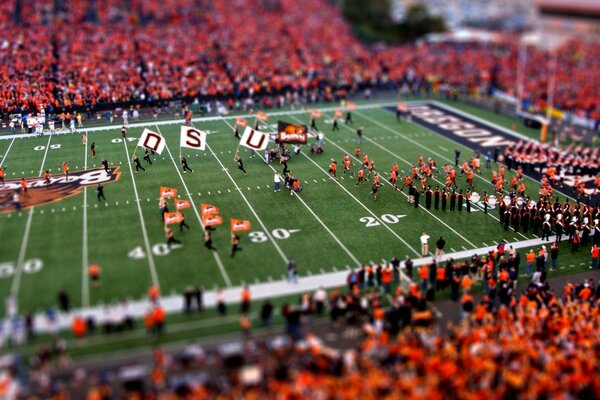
216	255
85	292
333	235
365	207
6	152
180	121
16	283
266	290
387	182
151	264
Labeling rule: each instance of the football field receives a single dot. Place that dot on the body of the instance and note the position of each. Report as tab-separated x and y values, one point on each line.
332	225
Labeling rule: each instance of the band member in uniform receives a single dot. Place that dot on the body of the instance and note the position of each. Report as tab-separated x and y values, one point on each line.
93	149
240	163
560	227
147	156
468	200
235	241
417	196
507	215
100	190
428	195
208	239
361	177
333	168
436	198
105	165
485	202
170	236
546	228
47	179
460	199
347	164
138	165
186	167
452	200
444	199
374	190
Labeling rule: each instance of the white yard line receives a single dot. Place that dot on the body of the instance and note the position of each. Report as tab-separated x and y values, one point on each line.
6	153
386	181
216	255
319	220
16	283
365	207
267	232
85	290
151	263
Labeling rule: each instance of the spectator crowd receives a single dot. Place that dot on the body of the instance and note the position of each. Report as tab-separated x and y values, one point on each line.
114	53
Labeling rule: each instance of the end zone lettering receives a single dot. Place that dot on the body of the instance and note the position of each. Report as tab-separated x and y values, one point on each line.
464	129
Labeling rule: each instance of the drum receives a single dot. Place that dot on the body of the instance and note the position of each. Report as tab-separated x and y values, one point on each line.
492	200
520	201
475	197
507	200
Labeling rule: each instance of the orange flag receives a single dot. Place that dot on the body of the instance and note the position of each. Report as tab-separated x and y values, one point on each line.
241	122
207	209
351	105
167	192
315	113
211	220
173	218
239	225
401	106
339	114
181	204
261	116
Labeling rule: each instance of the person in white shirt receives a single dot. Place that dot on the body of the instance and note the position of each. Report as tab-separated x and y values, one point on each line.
11	125
51	127
424	244
277	182
72	125
320	297
125	117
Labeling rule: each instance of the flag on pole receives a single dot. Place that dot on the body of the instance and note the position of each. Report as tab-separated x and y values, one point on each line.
254	140
291	133
192	138
339	114
152	141
182	204
262	116
173	218
208	209
239	225
211	220
351	105
315	113
167	192
241	122
401	106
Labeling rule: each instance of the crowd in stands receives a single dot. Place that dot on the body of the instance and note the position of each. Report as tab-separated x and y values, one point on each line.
61	55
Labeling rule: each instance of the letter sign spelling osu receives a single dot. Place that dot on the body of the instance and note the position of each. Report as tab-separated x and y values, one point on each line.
192	138
254	139
152	141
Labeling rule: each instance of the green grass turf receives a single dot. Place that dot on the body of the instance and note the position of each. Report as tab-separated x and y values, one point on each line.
55	236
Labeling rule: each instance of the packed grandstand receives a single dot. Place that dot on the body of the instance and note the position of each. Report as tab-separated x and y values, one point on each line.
85	56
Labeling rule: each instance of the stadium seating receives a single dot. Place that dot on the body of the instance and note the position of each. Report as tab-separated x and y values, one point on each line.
151	50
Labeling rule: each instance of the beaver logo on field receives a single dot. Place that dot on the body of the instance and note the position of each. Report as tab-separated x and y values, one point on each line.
38	194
